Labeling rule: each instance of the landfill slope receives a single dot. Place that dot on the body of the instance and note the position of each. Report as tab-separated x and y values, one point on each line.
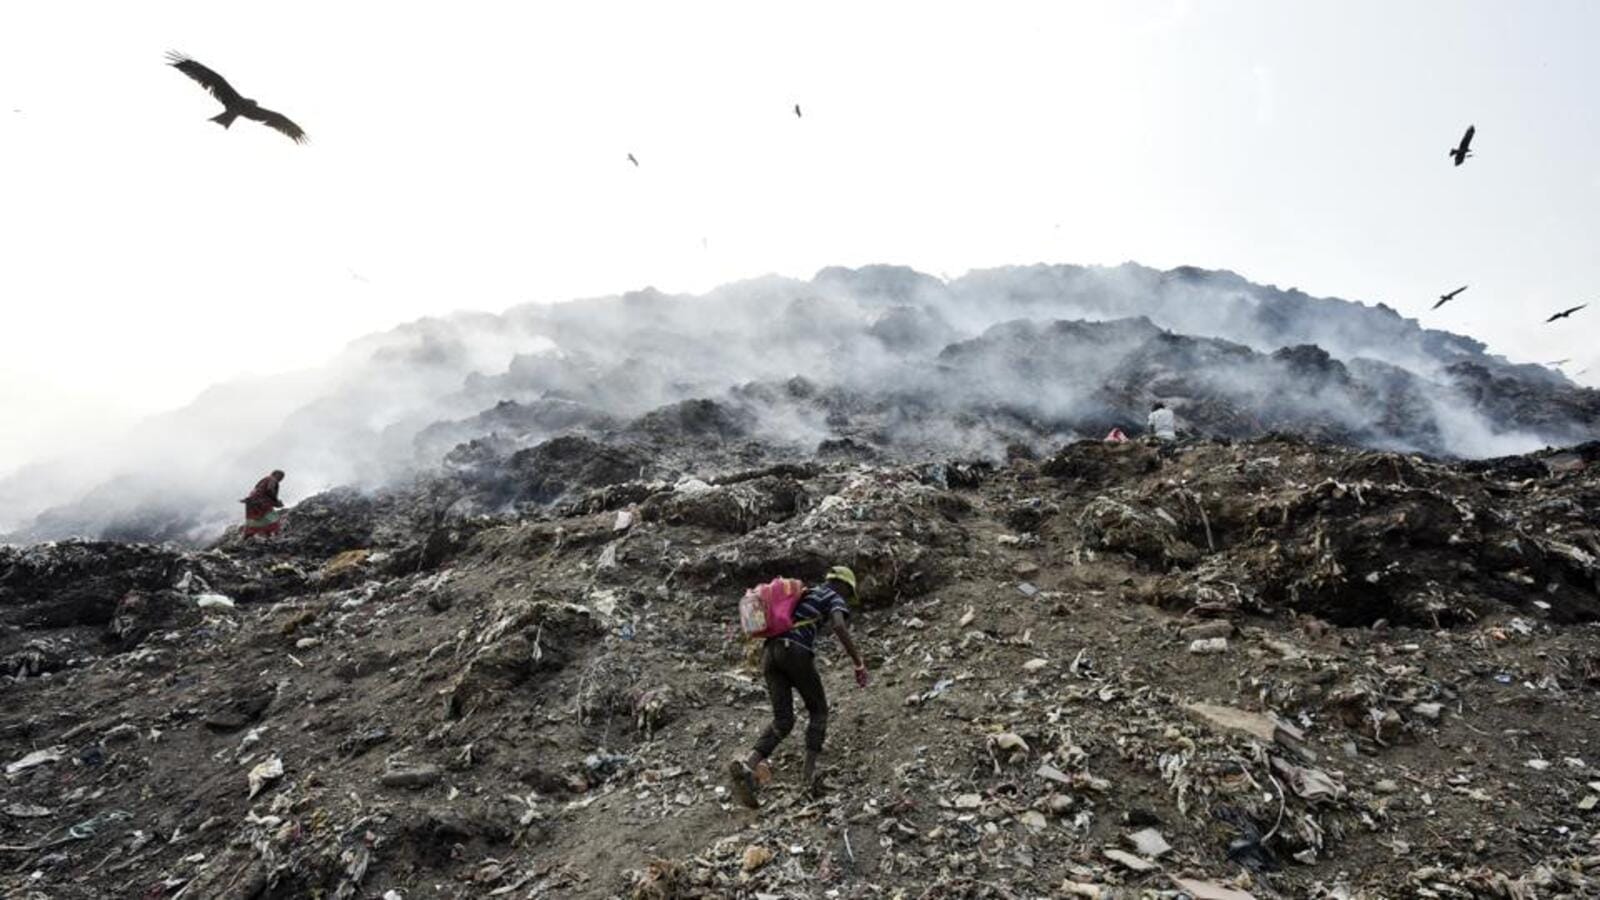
1276	667
880	363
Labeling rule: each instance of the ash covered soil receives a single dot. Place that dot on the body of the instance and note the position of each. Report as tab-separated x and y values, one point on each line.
1271	666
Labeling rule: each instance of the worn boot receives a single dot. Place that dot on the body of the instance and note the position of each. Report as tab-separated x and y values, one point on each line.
811	778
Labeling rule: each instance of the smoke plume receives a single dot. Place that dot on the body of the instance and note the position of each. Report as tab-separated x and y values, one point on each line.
878	362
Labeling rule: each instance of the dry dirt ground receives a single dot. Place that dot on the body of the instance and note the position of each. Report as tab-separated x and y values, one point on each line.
1312	672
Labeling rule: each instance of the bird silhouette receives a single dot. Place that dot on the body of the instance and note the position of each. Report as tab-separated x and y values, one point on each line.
234	105
797	111
1446	298
1465	149
632	160
1566	312
1557	363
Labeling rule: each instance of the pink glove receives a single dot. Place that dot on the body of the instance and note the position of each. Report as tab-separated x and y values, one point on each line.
861	676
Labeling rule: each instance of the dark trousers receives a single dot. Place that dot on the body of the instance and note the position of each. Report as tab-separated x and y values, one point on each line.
790	668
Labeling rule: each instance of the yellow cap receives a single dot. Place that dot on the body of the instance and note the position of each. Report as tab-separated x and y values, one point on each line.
842	573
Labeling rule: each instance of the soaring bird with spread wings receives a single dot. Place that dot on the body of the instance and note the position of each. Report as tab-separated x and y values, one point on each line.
1446	298
1464	149
233	104
1566	312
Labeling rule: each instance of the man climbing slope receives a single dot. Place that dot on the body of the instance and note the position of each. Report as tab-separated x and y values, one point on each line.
788	661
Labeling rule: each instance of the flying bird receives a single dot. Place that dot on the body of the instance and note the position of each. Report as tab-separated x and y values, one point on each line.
1465	149
1566	312
1558	363
797	111
1446	298
233	104
632	160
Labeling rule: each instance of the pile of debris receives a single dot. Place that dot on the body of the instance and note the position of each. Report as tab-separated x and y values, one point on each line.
900	367
1210	670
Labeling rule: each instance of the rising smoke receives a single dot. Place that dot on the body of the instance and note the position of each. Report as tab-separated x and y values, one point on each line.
890	361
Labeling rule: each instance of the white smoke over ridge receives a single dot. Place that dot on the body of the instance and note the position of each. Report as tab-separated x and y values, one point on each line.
348	422
890	358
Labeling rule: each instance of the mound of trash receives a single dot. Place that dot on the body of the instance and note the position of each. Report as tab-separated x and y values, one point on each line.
1269	667
874	364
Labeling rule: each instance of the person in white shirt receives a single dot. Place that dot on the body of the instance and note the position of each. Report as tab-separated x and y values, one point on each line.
1162	423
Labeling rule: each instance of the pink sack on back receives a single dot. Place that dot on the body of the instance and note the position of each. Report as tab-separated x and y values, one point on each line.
767	610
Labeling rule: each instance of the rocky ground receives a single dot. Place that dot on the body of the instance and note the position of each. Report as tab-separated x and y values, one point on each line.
1221	670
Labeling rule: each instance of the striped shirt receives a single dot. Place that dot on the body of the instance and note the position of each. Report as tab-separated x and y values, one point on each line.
817	606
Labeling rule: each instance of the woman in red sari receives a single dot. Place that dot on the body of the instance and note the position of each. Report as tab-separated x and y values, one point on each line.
261	515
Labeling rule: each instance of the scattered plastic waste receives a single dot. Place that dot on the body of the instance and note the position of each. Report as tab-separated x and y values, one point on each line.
264	774
36	758
1083	756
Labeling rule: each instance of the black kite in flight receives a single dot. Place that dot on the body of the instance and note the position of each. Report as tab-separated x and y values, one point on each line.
1465	149
1446	298
233	104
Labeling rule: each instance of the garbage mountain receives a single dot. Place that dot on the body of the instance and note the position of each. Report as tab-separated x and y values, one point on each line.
1247	668
880	363
1336	642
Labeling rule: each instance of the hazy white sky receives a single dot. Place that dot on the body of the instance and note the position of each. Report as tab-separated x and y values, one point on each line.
473	155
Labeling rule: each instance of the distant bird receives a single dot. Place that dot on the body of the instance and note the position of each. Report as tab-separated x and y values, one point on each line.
632	160
1446	298
1465	149
1566	312
1556	364
234	105
797	111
